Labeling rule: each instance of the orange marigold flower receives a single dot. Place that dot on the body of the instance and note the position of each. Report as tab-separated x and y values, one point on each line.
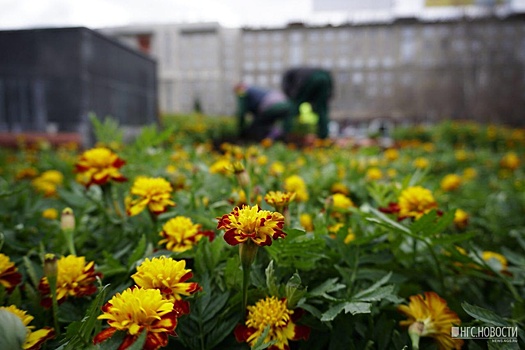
271	312
151	192
75	278
251	223
450	182
137	310
33	339
415	202
431	317
9	275
181	234
26	173
99	166
169	276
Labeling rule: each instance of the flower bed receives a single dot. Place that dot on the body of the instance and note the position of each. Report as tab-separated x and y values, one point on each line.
169	242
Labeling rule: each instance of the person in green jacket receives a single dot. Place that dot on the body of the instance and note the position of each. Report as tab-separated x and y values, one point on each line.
312	85
266	107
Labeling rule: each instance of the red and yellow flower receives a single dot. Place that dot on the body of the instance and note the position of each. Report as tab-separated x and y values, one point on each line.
271	312
251	223
510	161
279	200
9	275
461	218
136	310
33	339
75	278
99	166
181	234
169	276
153	193
415	202
429	316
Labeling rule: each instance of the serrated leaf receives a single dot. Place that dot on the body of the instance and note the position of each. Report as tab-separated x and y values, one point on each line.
484	315
328	286
271	282
373	287
376	295
260	345
357	308
453	238
294	291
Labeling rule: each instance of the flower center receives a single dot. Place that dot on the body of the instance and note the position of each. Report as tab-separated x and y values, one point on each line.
268	312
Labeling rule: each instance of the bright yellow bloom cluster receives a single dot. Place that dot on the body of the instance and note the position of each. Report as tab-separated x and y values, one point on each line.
277	168
391	154
421	163
415	202
251	223
75	278
450	182
50	213
461	218
430	316
271	312
33	339
9	275
279	200
167	275
296	184
341	202
136	310
153	193
181	234
98	166
374	174
48	182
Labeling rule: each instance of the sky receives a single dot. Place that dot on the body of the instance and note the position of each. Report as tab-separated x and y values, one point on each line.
18	14
21	14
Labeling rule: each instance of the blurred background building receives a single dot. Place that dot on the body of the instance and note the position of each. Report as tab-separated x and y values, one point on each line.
455	59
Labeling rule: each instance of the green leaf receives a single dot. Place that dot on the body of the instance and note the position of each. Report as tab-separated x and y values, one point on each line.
294	291
139	343
484	315
328	286
376	294
271	281
447	239
348	306
259	344
384	220
373	287
138	252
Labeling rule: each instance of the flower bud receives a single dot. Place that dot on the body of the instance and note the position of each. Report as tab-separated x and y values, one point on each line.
50	265
67	220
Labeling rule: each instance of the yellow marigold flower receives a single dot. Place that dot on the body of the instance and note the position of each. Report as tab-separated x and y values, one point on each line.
50	213
251	223
374	174
48	182
450	182
151	192
461	218
279	200
341	202
421	163
75	278
469	173
9	275
306	222
349	237
271	312
339	187
335	228
296	184
262	160
221	166
99	166
415	202
277	168
430	316
391	154
169	276
429	147
510	161
33	339
137	310
496	260
181	234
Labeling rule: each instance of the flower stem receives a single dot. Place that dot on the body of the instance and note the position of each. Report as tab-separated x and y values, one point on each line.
53	287
245	283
